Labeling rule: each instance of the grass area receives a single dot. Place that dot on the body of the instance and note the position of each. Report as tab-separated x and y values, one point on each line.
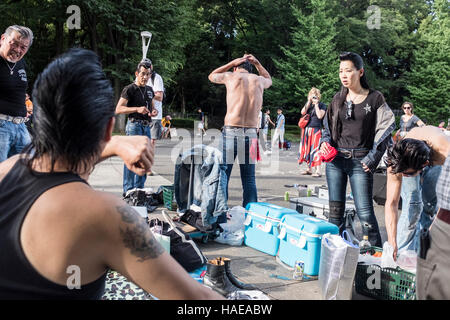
292	133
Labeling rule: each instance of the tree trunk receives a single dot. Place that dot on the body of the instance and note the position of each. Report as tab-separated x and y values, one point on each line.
183	103
59	37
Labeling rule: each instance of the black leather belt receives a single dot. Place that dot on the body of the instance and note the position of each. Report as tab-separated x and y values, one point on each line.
142	122
444	215
352	153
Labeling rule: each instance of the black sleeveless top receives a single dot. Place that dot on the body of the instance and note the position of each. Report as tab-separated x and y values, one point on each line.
19	189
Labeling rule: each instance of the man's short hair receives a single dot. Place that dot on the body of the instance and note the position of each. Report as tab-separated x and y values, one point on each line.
408	154
73	103
146	63
246	65
24	32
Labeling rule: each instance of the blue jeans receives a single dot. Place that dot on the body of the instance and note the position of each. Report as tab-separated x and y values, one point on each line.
130	179
338	172
13	138
418	207
237	142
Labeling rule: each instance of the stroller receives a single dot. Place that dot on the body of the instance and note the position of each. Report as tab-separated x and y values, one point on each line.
200	191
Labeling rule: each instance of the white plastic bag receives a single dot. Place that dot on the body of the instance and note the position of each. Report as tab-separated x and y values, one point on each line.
233	230
387	257
338	261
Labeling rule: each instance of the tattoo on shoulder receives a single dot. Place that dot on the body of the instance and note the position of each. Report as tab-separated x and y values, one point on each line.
137	237
217	77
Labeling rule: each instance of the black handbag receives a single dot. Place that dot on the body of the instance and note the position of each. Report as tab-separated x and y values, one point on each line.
182	248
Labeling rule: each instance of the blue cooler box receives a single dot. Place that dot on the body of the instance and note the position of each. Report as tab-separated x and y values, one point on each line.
261	226
301	239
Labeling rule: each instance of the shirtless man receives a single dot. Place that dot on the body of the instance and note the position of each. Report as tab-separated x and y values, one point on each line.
413	167
244	101
52	223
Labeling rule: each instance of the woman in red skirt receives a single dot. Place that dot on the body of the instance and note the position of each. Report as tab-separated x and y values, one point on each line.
311	134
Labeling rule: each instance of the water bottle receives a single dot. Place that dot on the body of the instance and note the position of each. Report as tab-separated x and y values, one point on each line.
286	196
364	244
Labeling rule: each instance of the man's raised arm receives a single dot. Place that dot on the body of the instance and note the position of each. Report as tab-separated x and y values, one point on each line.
261	70
219	74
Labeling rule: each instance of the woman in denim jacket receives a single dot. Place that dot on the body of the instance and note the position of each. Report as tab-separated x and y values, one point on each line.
358	124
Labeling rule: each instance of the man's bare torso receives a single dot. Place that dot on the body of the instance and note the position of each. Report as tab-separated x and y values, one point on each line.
244	99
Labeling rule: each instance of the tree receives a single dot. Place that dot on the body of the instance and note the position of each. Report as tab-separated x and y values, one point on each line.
311	61
429	79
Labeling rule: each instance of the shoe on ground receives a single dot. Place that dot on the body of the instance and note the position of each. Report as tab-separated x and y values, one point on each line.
305	172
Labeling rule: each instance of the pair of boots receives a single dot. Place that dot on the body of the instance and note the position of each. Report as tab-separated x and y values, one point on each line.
220	278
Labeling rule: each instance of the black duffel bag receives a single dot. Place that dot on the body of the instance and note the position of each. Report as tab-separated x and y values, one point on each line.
182	248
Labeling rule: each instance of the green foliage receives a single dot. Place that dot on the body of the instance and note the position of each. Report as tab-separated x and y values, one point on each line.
297	41
310	61
429	79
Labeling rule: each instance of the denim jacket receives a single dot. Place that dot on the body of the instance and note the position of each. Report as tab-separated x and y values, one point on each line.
385	125
208	183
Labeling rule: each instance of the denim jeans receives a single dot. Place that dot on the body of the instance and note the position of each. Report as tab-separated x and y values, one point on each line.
338	172
130	179
13	138
418	207
237	142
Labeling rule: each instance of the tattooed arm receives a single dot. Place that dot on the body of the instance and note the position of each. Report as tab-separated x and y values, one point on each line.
134	252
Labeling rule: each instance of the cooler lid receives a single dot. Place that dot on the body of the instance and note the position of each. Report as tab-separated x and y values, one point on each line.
269	210
307	225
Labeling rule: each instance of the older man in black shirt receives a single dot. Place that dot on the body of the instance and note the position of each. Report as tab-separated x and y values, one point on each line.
137	101
14	136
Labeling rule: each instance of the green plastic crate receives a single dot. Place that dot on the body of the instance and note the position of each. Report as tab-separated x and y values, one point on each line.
395	284
169	197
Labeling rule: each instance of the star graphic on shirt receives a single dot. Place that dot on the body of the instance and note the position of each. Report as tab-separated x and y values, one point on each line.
368	108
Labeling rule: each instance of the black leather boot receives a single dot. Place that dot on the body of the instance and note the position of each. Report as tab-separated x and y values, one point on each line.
217	279
232	278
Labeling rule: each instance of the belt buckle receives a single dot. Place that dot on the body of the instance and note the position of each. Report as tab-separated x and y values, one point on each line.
347	154
16	120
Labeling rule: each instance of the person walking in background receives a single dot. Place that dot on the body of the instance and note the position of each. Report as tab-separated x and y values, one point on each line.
311	134
265	130
408	121
278	135
358	124
201	123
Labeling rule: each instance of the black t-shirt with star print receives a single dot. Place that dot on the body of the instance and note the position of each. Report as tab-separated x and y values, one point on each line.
13	88
359	131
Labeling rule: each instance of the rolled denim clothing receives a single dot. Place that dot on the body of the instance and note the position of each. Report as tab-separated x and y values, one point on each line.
208	185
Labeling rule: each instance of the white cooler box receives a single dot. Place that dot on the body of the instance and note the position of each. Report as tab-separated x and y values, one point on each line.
314	206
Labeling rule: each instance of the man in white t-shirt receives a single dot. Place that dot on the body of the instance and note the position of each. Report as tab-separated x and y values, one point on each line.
156	83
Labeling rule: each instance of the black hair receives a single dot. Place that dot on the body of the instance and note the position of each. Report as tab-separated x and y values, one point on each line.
408	154
333	113
246	65
73	103
145	64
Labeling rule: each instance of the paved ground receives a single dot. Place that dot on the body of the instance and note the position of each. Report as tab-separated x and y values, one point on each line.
249	265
